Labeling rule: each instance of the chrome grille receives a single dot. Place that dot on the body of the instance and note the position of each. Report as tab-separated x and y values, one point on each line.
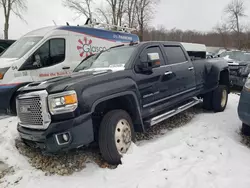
32	110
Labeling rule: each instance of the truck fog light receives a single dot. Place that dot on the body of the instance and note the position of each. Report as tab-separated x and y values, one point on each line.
66	137
63	138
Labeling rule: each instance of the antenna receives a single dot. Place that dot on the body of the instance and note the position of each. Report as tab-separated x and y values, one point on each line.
54	22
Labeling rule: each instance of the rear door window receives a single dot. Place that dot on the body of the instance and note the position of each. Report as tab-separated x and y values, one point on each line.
175	54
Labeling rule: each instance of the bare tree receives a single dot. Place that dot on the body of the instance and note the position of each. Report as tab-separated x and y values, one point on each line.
117	8
120	11
80	7
144	11
223	30
131	12
102	14
235	10
15	6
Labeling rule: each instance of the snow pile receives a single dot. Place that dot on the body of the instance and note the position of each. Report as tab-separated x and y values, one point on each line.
207	152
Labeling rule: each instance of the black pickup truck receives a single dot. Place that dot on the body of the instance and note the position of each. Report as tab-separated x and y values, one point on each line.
118	92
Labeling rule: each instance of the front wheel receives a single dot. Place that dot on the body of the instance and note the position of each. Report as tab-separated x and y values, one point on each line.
116	134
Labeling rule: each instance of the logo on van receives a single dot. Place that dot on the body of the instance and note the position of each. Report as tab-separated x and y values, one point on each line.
85	47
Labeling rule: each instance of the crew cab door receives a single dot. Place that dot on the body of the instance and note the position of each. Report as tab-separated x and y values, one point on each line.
183	80
48	60
150	84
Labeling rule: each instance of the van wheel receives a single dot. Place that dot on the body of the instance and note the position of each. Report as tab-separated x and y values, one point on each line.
245	129
116	134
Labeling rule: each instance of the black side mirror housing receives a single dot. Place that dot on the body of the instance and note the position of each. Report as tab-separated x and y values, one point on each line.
153	61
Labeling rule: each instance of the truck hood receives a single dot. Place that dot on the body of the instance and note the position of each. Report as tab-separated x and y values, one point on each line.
59	84
7	62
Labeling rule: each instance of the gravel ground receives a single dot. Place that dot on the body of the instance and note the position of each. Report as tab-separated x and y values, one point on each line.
73	161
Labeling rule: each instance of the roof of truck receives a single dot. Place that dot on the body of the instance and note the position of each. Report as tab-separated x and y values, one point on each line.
94	32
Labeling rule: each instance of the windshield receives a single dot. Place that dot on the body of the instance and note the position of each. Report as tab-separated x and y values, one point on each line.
239	56
112	58
224	54
21	47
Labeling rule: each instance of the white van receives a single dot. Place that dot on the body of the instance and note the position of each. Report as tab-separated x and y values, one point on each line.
50	52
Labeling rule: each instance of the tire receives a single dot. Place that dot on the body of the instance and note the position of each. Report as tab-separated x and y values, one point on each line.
245	129
220	98
207	101
112	143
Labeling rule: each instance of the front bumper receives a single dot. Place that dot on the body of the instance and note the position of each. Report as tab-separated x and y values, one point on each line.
80	131
237	80
244	107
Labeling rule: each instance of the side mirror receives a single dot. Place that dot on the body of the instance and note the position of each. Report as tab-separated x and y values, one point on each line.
153	61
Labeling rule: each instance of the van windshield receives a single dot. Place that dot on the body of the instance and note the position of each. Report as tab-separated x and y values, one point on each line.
114	58
21	47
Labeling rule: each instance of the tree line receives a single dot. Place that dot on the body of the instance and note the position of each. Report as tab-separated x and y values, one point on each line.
229	33
132	13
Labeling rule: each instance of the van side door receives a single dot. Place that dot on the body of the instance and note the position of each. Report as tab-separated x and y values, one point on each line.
48	60
183	80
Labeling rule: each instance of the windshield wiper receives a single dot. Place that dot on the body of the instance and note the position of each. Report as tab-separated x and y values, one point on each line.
117	46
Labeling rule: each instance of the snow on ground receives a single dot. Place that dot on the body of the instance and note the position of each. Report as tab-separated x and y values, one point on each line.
206	152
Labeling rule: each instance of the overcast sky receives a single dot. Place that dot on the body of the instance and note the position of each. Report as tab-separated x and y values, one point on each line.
199	15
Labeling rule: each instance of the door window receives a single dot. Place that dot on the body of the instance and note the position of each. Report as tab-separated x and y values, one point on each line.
175	54
50	53
144	58
152	49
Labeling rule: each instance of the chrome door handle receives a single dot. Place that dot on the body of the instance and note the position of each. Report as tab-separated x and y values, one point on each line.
191	68
168	73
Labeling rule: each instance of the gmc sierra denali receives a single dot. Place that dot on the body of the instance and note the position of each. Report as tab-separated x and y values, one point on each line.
118	92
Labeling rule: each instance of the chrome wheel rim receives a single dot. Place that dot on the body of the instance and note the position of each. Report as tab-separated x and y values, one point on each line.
224	98
123	136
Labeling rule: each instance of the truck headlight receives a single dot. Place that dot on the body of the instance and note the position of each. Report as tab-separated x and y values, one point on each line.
62	102
3	71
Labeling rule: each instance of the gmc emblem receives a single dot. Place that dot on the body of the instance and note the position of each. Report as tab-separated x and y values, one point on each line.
25	109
